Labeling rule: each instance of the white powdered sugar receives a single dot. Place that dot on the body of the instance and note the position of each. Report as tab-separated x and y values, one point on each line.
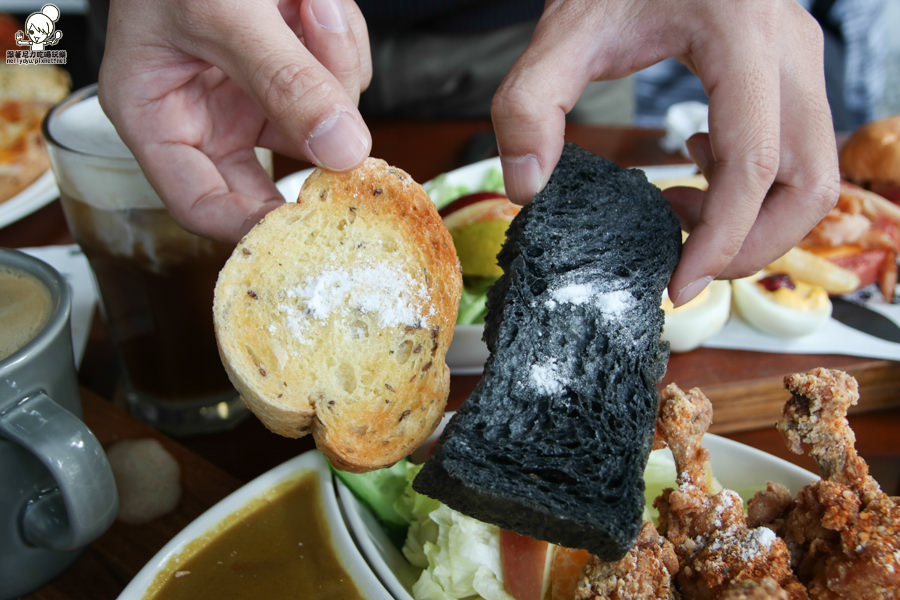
613	303
383	292
759	544
547	379
575	293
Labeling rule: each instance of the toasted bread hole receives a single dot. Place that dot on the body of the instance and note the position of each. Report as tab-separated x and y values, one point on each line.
359	328
403	352
346	377
361	430
389	245
342	224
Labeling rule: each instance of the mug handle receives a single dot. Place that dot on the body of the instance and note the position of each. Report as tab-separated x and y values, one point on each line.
86	502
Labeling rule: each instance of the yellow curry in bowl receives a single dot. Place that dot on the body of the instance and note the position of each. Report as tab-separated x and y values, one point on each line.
280	536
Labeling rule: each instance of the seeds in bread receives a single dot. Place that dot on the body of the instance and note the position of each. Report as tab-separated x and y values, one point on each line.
334	314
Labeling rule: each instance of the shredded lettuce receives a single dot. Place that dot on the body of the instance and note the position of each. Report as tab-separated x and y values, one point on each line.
380	490
442	192
473	301
659	474
459	556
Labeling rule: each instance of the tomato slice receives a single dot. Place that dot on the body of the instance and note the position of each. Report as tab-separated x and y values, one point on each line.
523	560
865	263
891	191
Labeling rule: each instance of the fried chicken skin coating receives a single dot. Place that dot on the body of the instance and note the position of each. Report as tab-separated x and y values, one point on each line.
843	531
719	555
645	572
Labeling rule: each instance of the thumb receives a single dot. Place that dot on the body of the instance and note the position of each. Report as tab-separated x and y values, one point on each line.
311	111
530	106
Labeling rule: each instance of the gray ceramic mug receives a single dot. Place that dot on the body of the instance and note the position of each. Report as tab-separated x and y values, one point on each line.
57	492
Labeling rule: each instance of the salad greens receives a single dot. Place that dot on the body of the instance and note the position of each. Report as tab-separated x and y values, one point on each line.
442	192
459	556
379	491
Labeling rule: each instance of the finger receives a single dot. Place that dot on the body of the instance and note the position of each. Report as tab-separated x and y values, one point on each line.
334	42
529	107
742	79
574	42
199	196
808	180
314	115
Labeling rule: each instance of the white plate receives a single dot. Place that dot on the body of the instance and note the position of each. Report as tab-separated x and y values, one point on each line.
37	195
290	185
467	351
312	461
735	465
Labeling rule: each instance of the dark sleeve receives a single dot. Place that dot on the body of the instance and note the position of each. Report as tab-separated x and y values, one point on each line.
451	16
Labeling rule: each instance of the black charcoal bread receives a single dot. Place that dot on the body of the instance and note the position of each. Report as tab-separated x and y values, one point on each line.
553	441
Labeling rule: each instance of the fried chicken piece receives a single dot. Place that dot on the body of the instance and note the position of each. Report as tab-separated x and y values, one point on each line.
769	506
816	415
645	572
843	531
767	589
719	555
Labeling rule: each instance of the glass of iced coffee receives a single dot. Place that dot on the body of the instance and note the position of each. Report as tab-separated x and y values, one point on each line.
155	279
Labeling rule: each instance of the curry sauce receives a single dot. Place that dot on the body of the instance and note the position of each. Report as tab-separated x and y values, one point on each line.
279	546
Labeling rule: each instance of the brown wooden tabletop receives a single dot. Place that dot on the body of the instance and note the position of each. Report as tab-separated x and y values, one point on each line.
745	387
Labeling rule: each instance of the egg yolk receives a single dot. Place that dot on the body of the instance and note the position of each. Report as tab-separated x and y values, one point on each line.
802	296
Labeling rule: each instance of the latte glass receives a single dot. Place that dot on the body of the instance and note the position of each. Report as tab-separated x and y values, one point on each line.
155	279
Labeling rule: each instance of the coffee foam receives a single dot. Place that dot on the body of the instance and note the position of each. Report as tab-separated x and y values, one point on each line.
24	309
92	163
84	127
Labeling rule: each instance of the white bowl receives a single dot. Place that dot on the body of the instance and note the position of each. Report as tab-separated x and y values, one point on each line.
309	462
736	466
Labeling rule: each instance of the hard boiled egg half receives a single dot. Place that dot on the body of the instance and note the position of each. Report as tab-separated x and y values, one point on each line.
776	304
691	324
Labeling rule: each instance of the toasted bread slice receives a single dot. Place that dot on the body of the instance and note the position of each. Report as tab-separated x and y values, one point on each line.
334	315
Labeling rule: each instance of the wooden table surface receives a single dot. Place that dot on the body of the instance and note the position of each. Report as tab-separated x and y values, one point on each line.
745	387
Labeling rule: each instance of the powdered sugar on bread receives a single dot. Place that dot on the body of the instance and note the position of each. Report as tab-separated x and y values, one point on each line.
387	292
334	315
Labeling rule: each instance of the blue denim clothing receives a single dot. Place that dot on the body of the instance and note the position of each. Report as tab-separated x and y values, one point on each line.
856	44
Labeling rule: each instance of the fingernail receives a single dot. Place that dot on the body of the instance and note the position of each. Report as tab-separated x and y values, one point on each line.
698	149
340	142
329	14
691	290
522	176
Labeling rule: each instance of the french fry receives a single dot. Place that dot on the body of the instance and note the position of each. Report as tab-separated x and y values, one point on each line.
880	204
803	265
695	181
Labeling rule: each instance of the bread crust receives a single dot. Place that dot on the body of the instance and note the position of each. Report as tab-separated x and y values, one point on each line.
333	315
872	153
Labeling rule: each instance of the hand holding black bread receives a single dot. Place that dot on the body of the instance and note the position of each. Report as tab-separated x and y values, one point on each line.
553	441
